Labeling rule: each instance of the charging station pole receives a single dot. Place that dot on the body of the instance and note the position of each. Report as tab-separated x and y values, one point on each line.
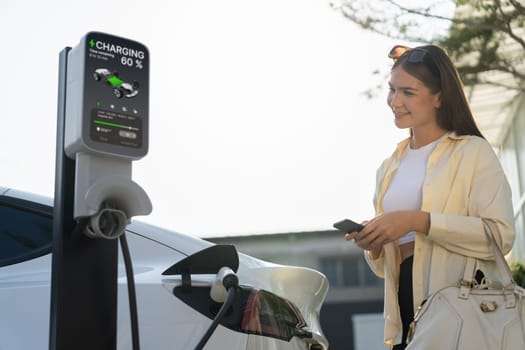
84	271
102	125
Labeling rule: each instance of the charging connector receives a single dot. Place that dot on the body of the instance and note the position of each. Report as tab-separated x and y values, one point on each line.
224	279
222	290
108	223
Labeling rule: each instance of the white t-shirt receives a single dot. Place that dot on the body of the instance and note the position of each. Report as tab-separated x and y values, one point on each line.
406	189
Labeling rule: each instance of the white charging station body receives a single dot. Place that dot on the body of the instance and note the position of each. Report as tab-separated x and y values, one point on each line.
107	123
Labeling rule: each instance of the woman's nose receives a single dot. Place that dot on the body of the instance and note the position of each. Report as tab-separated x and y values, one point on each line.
393	101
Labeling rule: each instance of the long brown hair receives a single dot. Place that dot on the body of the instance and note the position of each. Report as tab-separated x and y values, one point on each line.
438	73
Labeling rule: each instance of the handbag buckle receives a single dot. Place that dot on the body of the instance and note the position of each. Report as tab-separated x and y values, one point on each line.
488	306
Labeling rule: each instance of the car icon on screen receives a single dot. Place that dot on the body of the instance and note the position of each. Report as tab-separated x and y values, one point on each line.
120	87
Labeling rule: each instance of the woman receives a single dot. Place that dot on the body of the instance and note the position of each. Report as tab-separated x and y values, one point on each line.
435	191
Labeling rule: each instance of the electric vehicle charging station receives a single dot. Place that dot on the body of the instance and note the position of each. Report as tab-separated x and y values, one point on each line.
102	126
106	126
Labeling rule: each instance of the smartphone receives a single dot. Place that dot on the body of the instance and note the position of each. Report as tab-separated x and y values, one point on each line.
348	226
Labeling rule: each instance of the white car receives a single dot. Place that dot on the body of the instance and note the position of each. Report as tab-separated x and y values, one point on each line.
279	305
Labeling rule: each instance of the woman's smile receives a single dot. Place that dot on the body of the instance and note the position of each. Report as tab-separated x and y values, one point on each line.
400	114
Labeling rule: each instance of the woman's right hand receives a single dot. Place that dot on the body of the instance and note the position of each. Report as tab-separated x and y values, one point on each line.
374	252
388	227
353	236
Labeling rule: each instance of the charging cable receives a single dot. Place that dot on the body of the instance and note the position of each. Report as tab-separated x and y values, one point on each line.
110	223
222	290
132	296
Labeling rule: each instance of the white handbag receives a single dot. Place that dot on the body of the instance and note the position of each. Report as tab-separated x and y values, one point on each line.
468	316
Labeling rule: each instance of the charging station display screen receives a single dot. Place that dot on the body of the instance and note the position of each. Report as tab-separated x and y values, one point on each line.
116	128
116	94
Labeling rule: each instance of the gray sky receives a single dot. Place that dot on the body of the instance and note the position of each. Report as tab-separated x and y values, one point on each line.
257	124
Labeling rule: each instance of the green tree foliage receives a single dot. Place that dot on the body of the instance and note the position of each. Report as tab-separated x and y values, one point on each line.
485	38
518	272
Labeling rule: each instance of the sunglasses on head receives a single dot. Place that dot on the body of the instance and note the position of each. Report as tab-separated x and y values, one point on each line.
416	55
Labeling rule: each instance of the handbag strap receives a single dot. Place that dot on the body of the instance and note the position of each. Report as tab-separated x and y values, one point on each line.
508	280
501	264
503	267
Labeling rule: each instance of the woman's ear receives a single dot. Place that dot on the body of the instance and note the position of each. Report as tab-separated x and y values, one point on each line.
437	100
